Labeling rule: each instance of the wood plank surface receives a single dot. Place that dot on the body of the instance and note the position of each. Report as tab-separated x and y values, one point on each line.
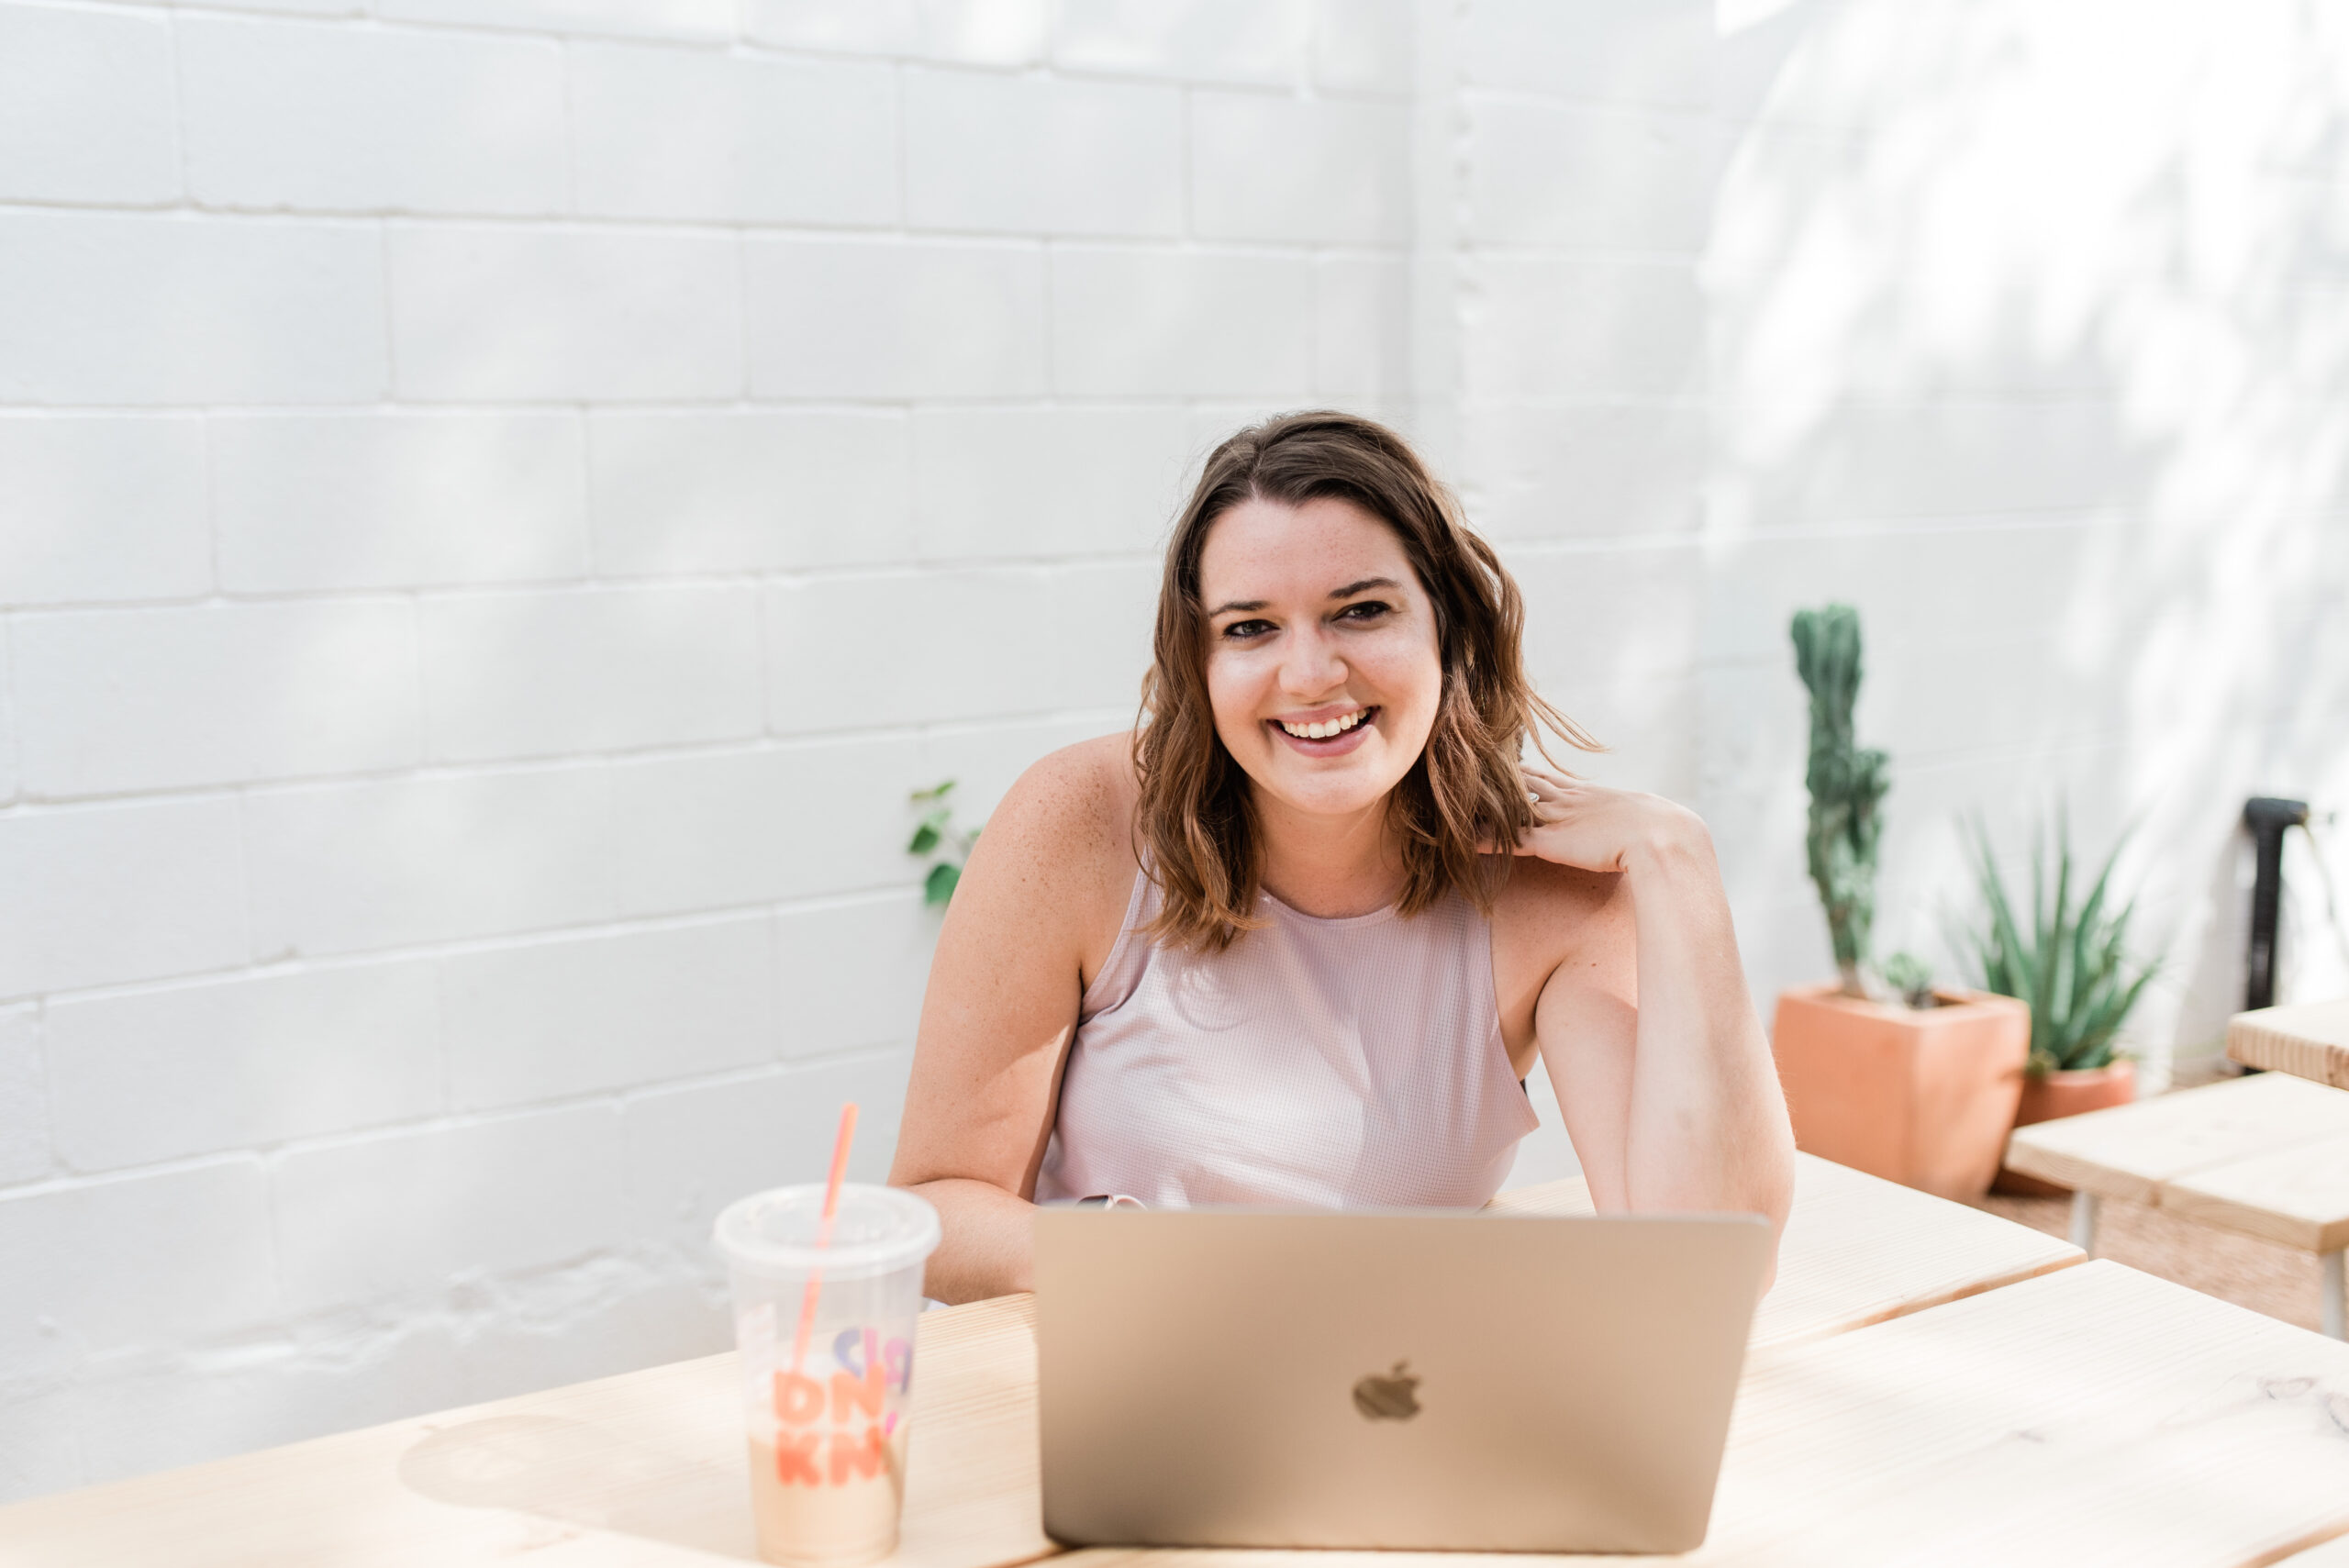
2130	1150
2333	1554
1859	1250
2299	1197
2310	1039
2096	1416
645	1469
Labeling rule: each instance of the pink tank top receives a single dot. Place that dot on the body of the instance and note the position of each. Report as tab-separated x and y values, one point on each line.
1330	1064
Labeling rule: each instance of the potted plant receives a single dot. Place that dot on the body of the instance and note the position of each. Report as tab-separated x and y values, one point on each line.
1920	1095
2073	969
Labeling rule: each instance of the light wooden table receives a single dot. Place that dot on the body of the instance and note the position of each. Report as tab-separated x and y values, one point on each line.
2310	1039
2267	1156
2134	1152
1859	1250
2333	1554
2014	1411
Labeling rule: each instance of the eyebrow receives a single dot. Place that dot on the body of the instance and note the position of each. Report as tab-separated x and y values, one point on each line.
1348	591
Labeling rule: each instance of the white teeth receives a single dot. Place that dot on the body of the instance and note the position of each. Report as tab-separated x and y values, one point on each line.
1322	731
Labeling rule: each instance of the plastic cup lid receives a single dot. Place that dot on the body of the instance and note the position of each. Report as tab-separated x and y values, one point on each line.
877	1229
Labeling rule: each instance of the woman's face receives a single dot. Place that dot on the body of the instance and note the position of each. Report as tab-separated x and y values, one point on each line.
1323	662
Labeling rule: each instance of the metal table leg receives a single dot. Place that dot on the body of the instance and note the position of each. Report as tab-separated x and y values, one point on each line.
2084	1203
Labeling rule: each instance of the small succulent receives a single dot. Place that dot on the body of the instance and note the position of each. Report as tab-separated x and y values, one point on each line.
947	846
1912	977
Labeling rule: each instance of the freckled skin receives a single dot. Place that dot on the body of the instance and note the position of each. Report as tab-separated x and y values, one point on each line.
1300	649
1613	954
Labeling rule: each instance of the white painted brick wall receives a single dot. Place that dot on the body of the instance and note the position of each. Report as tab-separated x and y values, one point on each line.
1006	154
696	21
385	500
103	507
1365	46
546	1021
974	32
188	308
25	1147
548	673
1014	625
1042	482
290	116
722	830
86	107
116	700
100	895
1131	323
90	1262
358	867
1263	43
667	133
501	499
748	490
483	312
895	319
140	1077
399	1214
1345	178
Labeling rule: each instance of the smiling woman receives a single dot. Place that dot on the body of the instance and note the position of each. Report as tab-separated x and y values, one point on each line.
1299	939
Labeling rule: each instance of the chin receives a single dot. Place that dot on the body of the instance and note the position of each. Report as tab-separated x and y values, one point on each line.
1333	792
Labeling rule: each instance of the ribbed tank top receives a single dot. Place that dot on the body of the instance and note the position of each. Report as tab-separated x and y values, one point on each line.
1332	1063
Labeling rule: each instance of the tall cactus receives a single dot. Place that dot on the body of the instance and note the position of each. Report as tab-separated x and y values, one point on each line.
1846	785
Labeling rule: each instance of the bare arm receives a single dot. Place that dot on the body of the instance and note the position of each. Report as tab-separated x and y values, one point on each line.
1036	907
1662	1069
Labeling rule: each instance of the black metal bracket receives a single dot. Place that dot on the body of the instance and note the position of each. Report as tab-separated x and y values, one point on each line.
2266	818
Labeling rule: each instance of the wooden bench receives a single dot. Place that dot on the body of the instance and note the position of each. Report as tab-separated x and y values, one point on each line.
2309	1041
2266	1157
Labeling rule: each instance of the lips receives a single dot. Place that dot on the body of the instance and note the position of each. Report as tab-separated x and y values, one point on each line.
1334	735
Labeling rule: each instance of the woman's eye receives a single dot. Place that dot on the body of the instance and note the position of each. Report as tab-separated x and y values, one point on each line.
1369	609
1241	630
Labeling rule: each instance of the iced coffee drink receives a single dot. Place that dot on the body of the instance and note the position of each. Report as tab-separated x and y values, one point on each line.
828	1374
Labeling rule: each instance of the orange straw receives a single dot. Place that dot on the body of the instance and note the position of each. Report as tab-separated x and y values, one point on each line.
824	1232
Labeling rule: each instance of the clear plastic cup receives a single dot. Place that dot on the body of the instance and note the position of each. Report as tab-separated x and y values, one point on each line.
828	1434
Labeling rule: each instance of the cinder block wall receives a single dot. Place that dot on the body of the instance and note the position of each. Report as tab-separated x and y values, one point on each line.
501	499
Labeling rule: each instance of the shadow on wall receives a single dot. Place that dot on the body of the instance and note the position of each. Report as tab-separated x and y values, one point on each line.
2029	340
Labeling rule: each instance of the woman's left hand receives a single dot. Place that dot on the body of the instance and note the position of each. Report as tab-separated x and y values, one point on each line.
1577	823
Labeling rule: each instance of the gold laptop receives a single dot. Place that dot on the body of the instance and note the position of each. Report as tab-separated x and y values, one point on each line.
1400	1379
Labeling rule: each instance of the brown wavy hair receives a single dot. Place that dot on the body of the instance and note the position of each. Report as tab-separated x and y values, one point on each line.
1196	818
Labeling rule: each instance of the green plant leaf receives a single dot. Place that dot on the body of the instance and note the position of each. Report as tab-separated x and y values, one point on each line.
938	885
2074	970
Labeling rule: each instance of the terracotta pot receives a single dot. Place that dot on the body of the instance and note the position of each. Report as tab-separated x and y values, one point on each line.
1922	1096
2047	1096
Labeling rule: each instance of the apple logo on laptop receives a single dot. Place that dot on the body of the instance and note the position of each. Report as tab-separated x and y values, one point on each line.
1388	1398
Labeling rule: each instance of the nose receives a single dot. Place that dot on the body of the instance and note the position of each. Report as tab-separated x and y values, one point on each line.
1310	666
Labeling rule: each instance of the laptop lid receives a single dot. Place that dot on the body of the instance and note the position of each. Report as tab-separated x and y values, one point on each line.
1434	1381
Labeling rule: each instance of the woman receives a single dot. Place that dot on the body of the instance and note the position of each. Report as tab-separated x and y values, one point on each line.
1268	949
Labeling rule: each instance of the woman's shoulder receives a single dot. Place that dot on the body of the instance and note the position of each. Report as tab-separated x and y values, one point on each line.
1064	833
1545	912
1078	800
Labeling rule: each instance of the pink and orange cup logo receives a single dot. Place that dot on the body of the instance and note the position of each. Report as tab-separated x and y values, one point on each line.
835	1429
